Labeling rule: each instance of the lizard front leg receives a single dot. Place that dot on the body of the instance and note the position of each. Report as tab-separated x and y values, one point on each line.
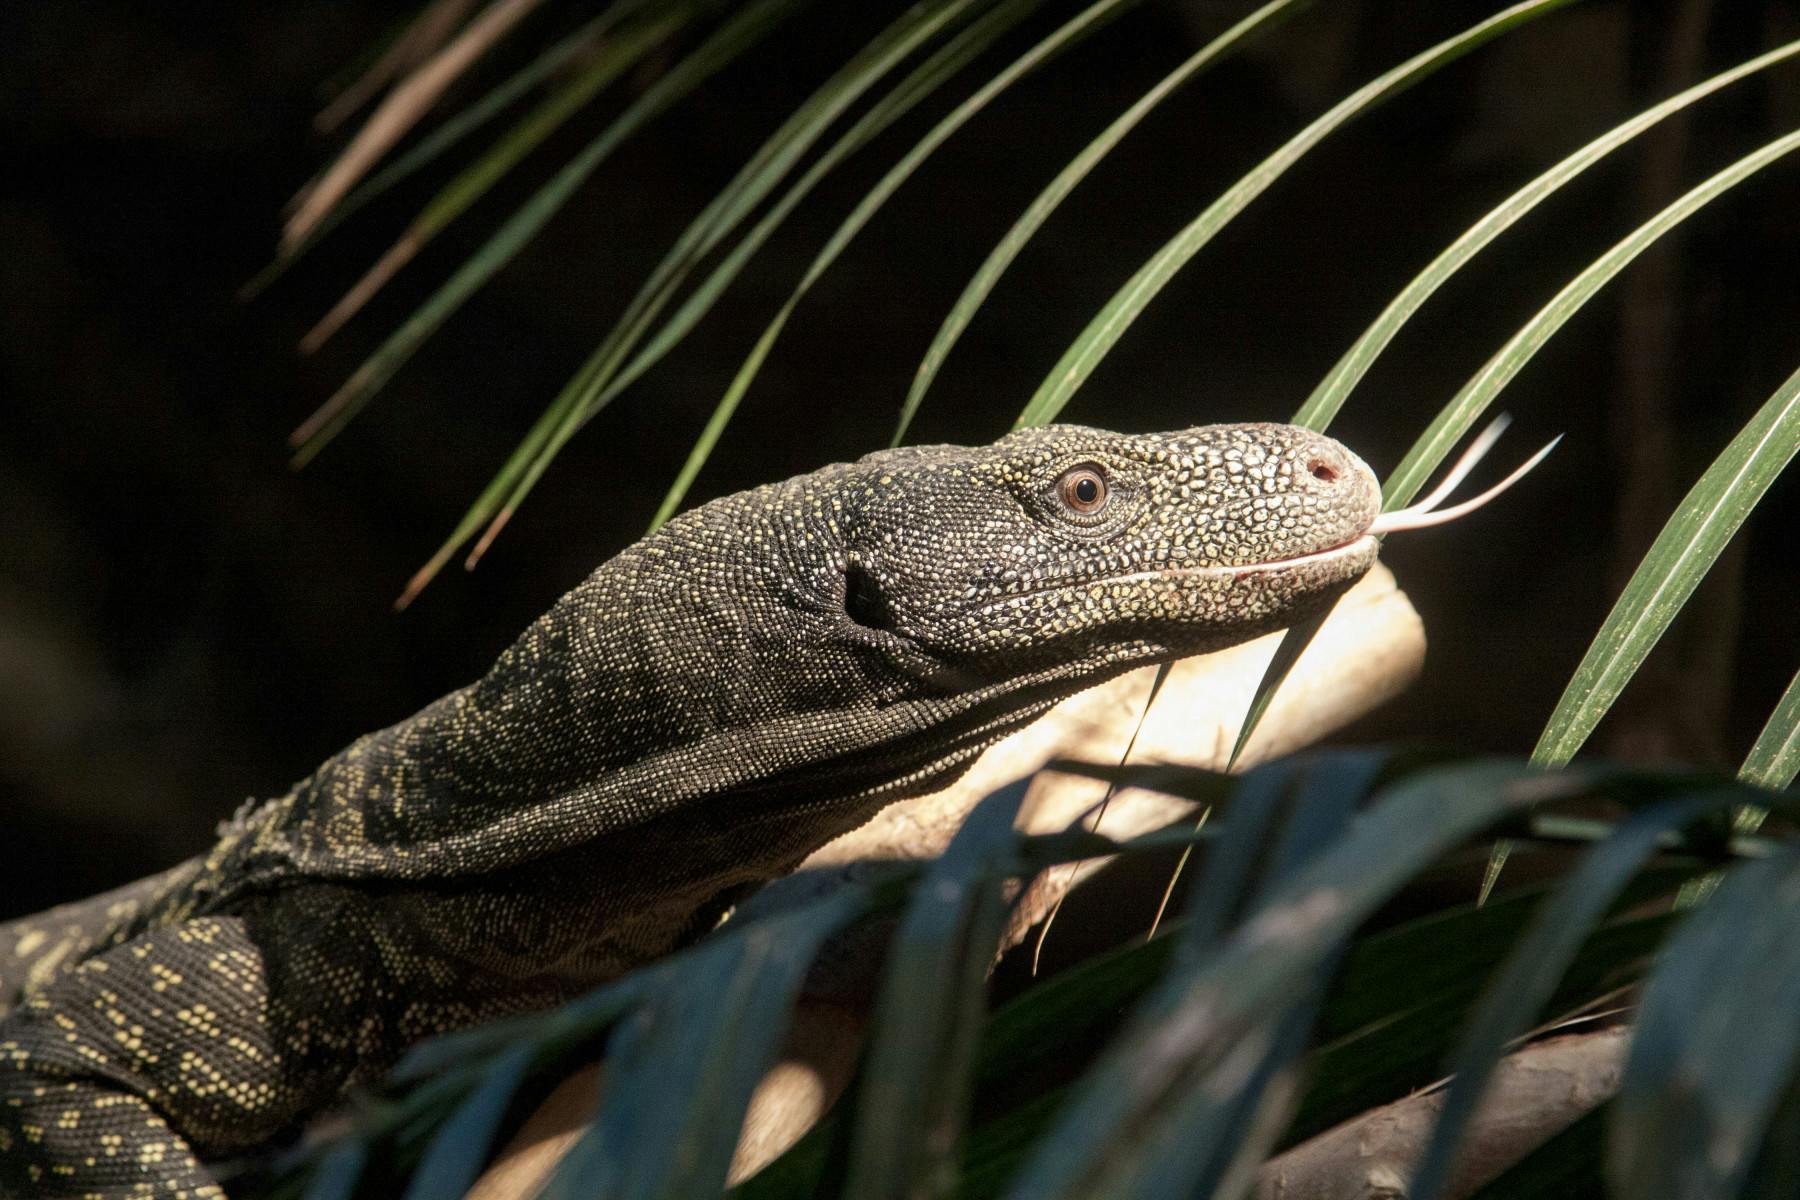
118	1077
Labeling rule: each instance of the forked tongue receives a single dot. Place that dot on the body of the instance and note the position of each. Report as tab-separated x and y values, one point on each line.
1426	512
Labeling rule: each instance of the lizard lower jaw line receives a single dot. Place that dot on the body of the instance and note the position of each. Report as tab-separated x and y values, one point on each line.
1343	550
1358	545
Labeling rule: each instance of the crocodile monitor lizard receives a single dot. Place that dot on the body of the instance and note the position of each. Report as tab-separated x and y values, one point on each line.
753	679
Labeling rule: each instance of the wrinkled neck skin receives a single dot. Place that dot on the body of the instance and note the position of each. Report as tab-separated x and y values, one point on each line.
764	655
674	673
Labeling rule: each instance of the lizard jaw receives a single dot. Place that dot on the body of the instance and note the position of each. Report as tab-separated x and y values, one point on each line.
1360	544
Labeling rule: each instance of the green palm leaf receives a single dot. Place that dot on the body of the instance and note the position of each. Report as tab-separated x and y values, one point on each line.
616	57
1700	1091
679	1071
1110	324
1539	960
1066	35
1606	669
1184	1029
1329	396
921	1061
1686	548
1775	758
444	138
1058	189
463	1141
601	377
749	26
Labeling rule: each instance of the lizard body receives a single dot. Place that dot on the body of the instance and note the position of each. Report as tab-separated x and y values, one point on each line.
705	709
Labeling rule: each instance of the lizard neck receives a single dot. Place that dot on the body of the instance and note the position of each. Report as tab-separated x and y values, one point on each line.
665	681
476	780
832	642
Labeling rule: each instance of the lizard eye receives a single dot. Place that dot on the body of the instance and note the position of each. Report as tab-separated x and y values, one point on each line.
1083	489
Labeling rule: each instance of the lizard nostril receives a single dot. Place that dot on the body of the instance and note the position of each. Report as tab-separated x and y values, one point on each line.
1323	471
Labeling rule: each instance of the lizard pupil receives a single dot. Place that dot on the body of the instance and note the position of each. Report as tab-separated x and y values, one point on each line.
1083	489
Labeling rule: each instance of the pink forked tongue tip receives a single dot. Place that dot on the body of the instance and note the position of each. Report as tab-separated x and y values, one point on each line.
1426	512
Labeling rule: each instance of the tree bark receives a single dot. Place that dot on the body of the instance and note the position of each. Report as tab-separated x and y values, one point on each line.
1534	1095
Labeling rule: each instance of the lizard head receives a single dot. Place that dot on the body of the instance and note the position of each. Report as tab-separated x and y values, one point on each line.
815	647
1081	550
810	649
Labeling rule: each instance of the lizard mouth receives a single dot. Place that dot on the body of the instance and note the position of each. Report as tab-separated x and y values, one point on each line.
1359	546
1344	550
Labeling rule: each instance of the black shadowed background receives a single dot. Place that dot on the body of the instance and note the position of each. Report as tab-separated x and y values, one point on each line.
185	622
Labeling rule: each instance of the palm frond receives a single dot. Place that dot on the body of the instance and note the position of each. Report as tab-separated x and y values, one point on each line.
1199	1081
1329	396
615	57
1085	22
1688	545
607	371
1058	189
1607	668
1117	315
921	1060
1540	959
680	1070
435	143
740	32
1698	1095
401	110
1775	758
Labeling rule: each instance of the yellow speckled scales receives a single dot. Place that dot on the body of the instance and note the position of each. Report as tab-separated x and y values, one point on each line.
743	685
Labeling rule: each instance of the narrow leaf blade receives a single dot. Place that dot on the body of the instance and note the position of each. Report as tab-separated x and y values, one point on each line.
603	377
1102	333
1070	32
736	36
1466	407
462	1143
1057	190
921	1062
1715	1045
1775	758
1329	396
1687	547
679	1073
1193	1019
1530	975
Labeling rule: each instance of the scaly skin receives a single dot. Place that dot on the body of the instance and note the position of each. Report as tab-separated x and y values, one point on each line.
755	678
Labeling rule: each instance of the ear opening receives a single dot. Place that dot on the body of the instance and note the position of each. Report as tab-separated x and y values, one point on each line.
863	601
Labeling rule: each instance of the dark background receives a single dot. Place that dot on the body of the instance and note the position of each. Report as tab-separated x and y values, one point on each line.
185	623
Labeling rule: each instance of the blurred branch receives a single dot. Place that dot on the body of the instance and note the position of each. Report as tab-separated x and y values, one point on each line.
409	101
419	39
1535	1094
